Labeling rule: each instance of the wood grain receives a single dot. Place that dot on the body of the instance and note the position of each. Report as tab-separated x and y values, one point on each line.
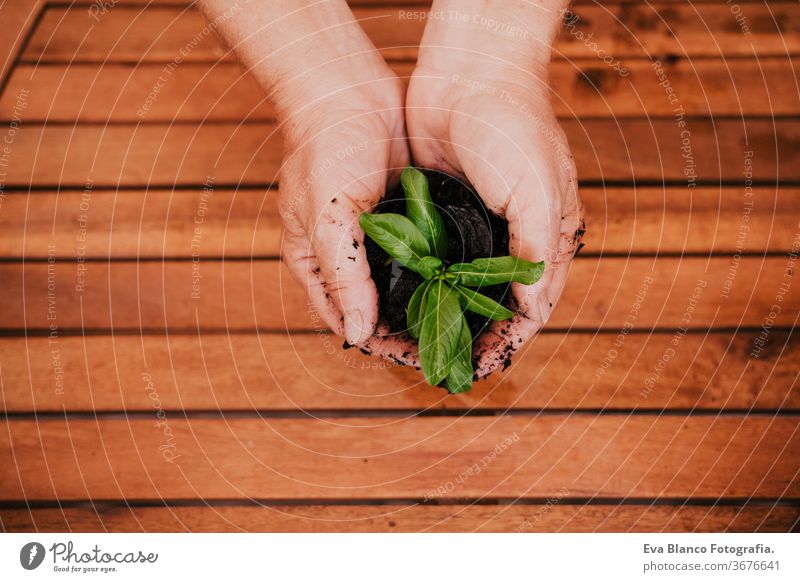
160	223
242	295
374	458
621	30
275	372
605	430
230	153
17	18
224	92
415	518
142	223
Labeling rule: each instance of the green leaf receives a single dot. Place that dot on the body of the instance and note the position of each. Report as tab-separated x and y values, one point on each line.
421	211
441	327
398	236
416	309
483	305
429	267
459	380
496	270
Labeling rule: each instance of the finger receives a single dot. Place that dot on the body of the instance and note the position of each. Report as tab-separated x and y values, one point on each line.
395	347
303	265
535	303
339	244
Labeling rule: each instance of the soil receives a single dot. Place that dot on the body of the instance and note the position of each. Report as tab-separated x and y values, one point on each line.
473	232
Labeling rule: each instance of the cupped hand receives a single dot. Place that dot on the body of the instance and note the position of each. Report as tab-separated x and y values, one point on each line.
341	152
493	126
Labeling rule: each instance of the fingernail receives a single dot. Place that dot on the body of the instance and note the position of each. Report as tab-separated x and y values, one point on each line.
355	327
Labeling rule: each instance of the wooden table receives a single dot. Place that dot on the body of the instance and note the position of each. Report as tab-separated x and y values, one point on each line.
154	382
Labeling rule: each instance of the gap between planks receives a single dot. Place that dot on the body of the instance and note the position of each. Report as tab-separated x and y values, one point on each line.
551	515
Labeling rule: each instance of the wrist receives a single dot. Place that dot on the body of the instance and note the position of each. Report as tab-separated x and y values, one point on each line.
307	55
485	39
345	82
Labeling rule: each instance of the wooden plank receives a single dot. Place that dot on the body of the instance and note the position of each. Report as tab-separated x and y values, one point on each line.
696	293
145	155
223	92
17	17
373	458
557	517
623	30
154	223
230	153
703	87
160	223
90	92
576	371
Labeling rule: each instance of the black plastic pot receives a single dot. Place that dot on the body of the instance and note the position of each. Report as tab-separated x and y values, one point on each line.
473	232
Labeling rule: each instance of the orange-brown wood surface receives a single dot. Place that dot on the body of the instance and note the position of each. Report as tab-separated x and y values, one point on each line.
616	456
537	517
224	92
151	384
267	372
159	223
634	29
690	292
249	154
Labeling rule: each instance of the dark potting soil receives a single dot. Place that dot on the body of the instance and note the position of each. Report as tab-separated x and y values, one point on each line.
473	232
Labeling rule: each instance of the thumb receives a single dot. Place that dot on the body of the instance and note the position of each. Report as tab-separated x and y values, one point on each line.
338	242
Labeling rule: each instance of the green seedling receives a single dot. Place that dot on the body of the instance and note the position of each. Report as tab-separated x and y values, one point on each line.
435	312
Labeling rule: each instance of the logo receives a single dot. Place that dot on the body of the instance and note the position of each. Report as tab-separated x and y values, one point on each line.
31	555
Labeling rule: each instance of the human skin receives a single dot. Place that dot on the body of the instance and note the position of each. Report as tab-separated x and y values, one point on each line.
340	111
477	107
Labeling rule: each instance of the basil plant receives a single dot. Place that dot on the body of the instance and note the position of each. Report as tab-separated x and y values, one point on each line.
435	312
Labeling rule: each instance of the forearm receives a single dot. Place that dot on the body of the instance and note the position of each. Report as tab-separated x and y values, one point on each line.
465	34
298	50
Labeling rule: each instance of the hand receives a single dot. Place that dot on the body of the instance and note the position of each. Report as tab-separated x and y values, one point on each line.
486	117
339	156
340	109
